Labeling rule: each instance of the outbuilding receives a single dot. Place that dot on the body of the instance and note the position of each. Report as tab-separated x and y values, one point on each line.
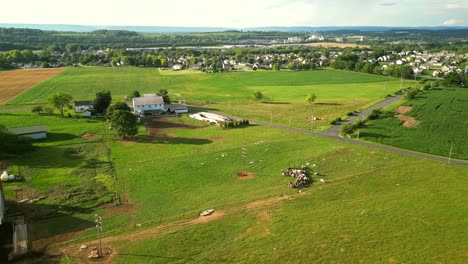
34	132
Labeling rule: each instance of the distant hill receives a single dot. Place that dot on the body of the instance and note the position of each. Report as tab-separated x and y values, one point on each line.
158	29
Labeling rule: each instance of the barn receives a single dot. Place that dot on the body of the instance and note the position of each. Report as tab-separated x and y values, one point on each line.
148	104
34	132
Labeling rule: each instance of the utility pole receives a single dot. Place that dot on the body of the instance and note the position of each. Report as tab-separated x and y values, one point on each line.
244	155
98	221
450	154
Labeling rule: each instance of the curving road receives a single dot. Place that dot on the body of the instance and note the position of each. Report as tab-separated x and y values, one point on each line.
333	133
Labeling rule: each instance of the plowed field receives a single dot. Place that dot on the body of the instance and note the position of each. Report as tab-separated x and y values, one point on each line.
13	83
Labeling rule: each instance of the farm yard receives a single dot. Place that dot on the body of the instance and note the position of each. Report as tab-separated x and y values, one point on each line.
373	206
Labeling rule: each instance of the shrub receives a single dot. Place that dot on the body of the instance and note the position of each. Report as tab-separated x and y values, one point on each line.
374	114
347	129
37	109
48	110
358	123
411	94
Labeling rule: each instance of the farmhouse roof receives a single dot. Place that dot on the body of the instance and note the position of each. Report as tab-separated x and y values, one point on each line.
151	100
81	103
27	130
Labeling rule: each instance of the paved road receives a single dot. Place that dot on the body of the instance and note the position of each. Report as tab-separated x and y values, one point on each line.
335	130
333	133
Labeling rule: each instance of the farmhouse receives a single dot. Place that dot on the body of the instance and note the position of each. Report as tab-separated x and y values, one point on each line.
148	104
34	132
81	106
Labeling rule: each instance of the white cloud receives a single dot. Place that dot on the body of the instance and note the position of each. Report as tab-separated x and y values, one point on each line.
451	22
238	13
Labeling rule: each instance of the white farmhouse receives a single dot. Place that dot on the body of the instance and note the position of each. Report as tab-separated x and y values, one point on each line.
149	103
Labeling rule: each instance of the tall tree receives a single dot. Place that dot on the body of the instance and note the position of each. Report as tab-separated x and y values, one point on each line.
102	101
114	107
165	95
60	101
124	123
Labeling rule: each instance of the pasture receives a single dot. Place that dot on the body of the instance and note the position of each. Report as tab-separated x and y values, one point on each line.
442	115
15	82
338	92
375	206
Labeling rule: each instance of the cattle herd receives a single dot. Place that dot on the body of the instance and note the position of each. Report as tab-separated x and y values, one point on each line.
301	174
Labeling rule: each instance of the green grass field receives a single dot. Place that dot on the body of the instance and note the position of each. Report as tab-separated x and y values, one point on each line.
338	92
376	206
443	114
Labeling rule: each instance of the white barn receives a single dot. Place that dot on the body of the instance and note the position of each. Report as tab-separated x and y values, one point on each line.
147	104
34	132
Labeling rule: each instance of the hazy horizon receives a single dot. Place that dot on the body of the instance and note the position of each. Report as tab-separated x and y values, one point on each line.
241	13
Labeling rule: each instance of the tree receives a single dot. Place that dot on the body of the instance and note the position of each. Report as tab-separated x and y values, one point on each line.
165	96
60	101
311	98
37	109
453	79
102	101
134	94
411	94
258	96
117	106
124	123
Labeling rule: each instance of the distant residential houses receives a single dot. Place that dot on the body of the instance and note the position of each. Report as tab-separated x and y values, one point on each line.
440	63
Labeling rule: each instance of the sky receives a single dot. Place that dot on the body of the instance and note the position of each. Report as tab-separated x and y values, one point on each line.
238	13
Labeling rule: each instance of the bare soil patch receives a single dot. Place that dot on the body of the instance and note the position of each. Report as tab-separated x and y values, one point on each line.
157	126
244	175
403	109
334	44
15	82
409	121
89	136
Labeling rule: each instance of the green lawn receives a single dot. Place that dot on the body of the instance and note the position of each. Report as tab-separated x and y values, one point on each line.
443	114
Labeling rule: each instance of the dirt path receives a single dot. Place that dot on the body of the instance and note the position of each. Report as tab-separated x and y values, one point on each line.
157	231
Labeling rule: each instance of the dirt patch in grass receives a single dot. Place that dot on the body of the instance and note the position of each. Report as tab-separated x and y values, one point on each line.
157	126
15	82
409	121
124	209
244	175
89	136
403	109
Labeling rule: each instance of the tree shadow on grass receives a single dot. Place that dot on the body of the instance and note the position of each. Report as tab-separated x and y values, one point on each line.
54	137
328	104
275	103
182	141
